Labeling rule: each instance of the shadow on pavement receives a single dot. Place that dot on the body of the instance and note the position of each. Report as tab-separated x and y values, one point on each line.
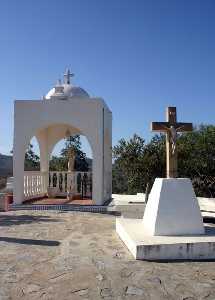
11	220
29	241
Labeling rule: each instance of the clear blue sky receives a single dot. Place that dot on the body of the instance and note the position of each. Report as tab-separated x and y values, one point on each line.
140	56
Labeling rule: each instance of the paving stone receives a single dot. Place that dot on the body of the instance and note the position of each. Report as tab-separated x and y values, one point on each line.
155	280
81	292
31	288
100	277
133	290
125	273
106	293
3	294
118	255
100	265
73	243
86	262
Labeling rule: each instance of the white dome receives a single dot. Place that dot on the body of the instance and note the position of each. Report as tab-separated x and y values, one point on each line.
68	90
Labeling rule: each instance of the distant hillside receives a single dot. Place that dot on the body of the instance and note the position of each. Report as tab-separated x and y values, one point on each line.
6	165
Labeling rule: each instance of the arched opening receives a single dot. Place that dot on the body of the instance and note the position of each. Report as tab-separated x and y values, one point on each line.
70	174
37	183
34	184
32	156
47	166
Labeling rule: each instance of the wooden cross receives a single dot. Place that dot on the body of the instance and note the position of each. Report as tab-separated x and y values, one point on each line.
171	128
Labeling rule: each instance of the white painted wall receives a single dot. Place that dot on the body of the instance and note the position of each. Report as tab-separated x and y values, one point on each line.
48	120
172	209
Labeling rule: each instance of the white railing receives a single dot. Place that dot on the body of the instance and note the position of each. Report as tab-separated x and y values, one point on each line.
60	179
34	184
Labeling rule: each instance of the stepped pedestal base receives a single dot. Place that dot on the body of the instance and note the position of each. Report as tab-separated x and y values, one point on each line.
172	226
142	246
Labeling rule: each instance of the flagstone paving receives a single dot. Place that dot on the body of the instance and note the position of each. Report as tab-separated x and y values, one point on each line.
71	255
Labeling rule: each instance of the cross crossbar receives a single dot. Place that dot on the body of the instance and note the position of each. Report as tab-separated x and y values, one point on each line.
171	127
164	126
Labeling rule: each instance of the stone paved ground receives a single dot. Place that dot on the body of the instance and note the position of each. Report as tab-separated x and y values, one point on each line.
51	255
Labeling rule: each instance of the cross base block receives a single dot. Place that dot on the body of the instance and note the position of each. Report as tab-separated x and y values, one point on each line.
172	209
145	247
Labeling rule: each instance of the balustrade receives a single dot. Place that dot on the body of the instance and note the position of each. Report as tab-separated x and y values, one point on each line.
35	183
82	182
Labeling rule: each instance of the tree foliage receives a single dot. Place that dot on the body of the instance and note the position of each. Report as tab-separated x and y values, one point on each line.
74	142
128	162
32	160
196	153
137	163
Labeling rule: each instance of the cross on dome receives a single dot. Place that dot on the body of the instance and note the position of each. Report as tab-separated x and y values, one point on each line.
67	76
66	89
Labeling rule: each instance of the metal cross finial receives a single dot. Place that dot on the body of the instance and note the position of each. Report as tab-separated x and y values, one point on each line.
67	76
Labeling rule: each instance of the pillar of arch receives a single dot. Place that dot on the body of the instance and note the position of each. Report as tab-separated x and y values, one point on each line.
48	120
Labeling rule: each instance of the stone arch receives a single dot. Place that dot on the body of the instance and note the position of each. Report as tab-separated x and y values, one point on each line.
60	176
47	138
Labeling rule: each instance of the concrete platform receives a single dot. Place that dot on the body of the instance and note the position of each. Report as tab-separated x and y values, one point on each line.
145	247
58	201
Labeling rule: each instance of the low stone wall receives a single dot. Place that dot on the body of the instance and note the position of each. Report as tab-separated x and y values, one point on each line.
133	206
206	204
119	199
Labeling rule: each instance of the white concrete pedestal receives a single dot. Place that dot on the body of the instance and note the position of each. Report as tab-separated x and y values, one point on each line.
172	226
143	246
172	208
